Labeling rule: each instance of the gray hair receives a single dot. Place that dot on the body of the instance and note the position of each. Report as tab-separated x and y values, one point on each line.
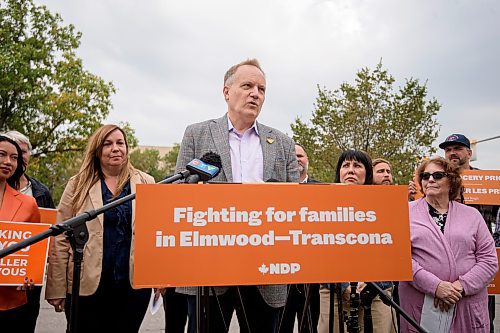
229	76
19	138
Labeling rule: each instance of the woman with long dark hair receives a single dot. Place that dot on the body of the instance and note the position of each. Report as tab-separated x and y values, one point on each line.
108	303
14	206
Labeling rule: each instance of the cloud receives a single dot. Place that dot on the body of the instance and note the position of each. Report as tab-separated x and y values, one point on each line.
168	58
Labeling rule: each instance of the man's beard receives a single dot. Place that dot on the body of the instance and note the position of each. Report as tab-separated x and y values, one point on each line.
457	161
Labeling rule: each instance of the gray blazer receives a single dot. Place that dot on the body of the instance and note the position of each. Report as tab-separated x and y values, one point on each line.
280	163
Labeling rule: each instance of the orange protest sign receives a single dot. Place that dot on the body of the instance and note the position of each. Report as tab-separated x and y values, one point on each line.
28	262
481	187
494	287
245	234
47	215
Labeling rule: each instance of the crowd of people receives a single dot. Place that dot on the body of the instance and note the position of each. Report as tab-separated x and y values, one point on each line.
452	247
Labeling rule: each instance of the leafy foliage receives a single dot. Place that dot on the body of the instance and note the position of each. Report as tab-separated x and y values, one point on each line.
45	92
170	159
150	161
370	115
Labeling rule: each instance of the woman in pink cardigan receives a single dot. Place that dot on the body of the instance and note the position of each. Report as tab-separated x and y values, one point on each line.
453	253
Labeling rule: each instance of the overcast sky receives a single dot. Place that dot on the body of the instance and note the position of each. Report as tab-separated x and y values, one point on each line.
167	58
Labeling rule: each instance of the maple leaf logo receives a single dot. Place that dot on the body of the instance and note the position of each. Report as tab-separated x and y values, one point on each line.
263	269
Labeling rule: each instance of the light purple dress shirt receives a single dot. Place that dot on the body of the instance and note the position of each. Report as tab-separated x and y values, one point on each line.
247	161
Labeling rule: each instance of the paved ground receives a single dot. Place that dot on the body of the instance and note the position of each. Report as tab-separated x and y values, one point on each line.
51	322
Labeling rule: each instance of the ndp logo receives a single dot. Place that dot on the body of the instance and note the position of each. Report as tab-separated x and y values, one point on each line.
279	268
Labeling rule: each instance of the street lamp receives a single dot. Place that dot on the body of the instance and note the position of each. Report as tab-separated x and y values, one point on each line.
474	142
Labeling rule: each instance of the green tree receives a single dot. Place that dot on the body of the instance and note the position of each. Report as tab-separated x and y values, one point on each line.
399	125
147	160
150	161
170	159
45	92
56	170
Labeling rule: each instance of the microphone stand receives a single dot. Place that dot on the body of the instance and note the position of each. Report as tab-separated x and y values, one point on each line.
340	309
78	237
374	288
353	321
367	295
389	302
202	309
306	316
77	234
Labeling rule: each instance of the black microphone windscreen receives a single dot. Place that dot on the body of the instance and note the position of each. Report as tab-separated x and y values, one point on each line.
192	179
272	180
212	159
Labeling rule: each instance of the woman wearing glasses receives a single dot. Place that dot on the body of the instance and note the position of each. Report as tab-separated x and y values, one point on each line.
453	254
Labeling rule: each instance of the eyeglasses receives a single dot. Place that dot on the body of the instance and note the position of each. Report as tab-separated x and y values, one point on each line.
436	175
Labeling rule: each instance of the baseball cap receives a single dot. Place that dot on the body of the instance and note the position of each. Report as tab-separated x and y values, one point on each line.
455	139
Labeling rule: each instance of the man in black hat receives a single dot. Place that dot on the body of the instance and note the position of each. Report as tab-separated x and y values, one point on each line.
457	151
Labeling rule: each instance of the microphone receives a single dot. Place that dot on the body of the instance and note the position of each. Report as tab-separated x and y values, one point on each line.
203	169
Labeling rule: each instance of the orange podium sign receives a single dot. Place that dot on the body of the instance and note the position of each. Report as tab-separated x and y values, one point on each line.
481	187
494	287
28	262
246	234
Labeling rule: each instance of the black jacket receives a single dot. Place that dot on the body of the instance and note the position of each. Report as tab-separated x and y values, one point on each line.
41	194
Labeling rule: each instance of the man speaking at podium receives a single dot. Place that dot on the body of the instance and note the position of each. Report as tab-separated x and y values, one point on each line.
250	152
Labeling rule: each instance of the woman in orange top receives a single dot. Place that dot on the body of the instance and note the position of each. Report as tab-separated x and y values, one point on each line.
14	206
